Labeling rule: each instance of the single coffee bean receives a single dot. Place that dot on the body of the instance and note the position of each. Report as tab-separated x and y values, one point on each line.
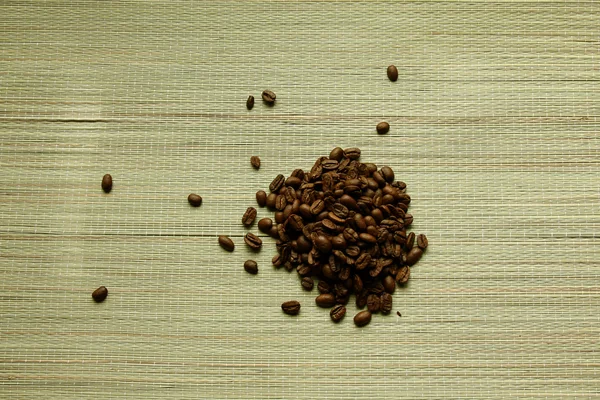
261	198
389	284
361	299
362	318
323	287
271	199
249	216
385	302
277	183
323	244
383	128
338	242
388	174
226	243
337	313
392	73
307	283
413	256
325	300
422	241
194	200
279	217
291	307
352	153
255	162
100	294
107	183
373	303
336	154
408	220
251	267
269	97
253	241
403	275
410	241
365	237
250	102
265	224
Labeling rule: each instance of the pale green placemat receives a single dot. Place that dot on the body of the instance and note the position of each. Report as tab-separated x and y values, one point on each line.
494	128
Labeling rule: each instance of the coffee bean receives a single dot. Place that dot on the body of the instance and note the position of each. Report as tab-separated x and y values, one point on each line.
388	174
352	153
250	102
385	302
265	224
107	183
373	303
383	128
99	295
325	300
389	283
271	199
307	283
362	318
269	97
277	183
226	243
323	244
291	307
317	207
337	313
194	200
413	256
255	162
323	287
392	73
336	154
253	241
280	202
261	198
410	241
249	216
422	241
251	267
403	275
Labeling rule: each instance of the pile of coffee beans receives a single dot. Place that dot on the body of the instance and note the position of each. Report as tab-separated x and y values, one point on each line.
344	223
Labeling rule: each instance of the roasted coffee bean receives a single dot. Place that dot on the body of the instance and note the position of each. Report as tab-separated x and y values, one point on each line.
362	261
279	217
323	244
249	216
323	287
277	183
352	153
250	102
403	275
99	295
307	283
194	200
336	154
350	235
353	251
361	299
338	242
387	173
413	256
251	267
410	241
261	198
226	243
255	162
422	241
271	198
362	318
383	128
280	202
385	302
389	284
392	73
107	183
337	313
329	225
317	207
365	237
291	307
340	210
325	300
329	165
408	220
269	97
373	303
253	241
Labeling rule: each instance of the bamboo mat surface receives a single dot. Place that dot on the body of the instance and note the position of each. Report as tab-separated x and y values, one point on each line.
494	127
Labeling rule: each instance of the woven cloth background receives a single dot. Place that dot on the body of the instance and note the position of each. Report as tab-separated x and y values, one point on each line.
495	129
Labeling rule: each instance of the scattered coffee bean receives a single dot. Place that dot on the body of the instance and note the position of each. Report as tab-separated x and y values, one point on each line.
226	243
107	183
265	225
269	97
392	73
413	256
325	300
277	183
383	128
261	198
403	275
249	216
194	200
99	295
337	313
422	241
308	283
291	307
255	162
250	102
362	318
251	267
253	241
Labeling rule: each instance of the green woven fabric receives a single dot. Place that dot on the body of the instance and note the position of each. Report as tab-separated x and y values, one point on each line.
494	127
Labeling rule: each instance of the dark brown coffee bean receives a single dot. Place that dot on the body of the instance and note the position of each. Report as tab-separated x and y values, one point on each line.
249	216
253	241
353	251
349	202
194	200
279	217
422	241
389	284
226	243
99	295
365	237
410	241
392	73
352	153
350	235
251	267
261	198
323	244
387	173
291	307
250	102
385	302
269	97
383	128
373	303
408	220
277	183
325	300
107	183
337	313
323	287
362	318
403	275
271	198
363	261
317	207
338	242
413	256
336	154
329	165
307	283
255	162
280	202
329	225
